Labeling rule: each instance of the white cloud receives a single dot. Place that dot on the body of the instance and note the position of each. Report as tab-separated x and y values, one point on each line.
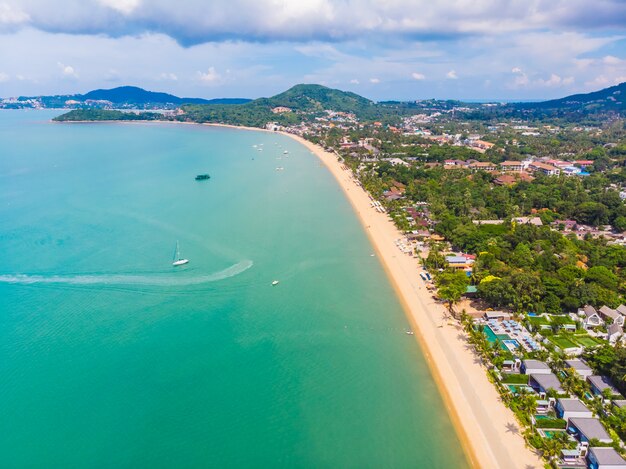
418	76
168	76
451	75
612	60
516	70
67	70
4	77
375	80
10	15
210	76
125	7
354	81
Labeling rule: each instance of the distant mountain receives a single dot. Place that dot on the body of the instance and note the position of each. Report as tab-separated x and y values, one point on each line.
135	95
125	97
611	99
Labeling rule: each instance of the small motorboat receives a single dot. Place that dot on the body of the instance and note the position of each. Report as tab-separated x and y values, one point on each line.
274	283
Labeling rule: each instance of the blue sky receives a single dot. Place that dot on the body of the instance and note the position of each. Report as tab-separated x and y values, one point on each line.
391	49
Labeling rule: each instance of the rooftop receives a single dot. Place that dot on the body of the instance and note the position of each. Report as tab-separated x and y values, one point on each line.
590	428
601	383
572	405
547	381
536	364
578	365
607	456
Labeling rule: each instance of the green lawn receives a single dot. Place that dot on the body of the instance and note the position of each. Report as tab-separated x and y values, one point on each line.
586	341
538	321
563	342
514	378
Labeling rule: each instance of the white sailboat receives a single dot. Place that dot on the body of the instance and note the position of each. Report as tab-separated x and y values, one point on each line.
177	258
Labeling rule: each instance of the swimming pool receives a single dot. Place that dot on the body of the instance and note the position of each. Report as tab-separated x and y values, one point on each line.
506	343
516	388
511	344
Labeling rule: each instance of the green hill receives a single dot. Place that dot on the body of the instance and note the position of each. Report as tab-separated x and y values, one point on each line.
311	98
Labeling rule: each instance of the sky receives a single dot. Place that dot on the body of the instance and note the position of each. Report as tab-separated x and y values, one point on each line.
381	49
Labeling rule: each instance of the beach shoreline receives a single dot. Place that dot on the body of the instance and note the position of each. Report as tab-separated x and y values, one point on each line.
488	431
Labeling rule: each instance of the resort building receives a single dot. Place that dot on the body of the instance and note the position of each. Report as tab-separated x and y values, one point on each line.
542	383
516	166
611	316
591	318
587	429
546	169
600	383
580	367
572	408
605	458
482	166
535	367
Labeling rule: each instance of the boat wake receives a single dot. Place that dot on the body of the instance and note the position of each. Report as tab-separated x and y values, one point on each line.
157	280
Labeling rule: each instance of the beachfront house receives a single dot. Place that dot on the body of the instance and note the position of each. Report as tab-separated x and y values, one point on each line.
572	408
459	262
535	367
590	316
580	367
600	383
586	429
605	458
542	383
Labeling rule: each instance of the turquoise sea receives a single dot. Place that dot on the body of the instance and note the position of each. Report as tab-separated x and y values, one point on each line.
111	357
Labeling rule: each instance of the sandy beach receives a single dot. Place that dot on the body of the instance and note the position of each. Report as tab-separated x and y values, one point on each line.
488	430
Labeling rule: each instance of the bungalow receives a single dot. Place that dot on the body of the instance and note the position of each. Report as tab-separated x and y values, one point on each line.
587	429
572	408
546	169
542	383
516	166
611	316
591	317
505	180
535	367
584	163
580	367
459	262
600	383
605	458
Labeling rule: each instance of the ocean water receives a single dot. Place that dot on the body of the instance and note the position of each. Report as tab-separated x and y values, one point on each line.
111	357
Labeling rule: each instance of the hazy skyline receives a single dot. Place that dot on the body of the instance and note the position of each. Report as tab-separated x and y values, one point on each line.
396	49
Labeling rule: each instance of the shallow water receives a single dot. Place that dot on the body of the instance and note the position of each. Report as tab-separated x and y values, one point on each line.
112	357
